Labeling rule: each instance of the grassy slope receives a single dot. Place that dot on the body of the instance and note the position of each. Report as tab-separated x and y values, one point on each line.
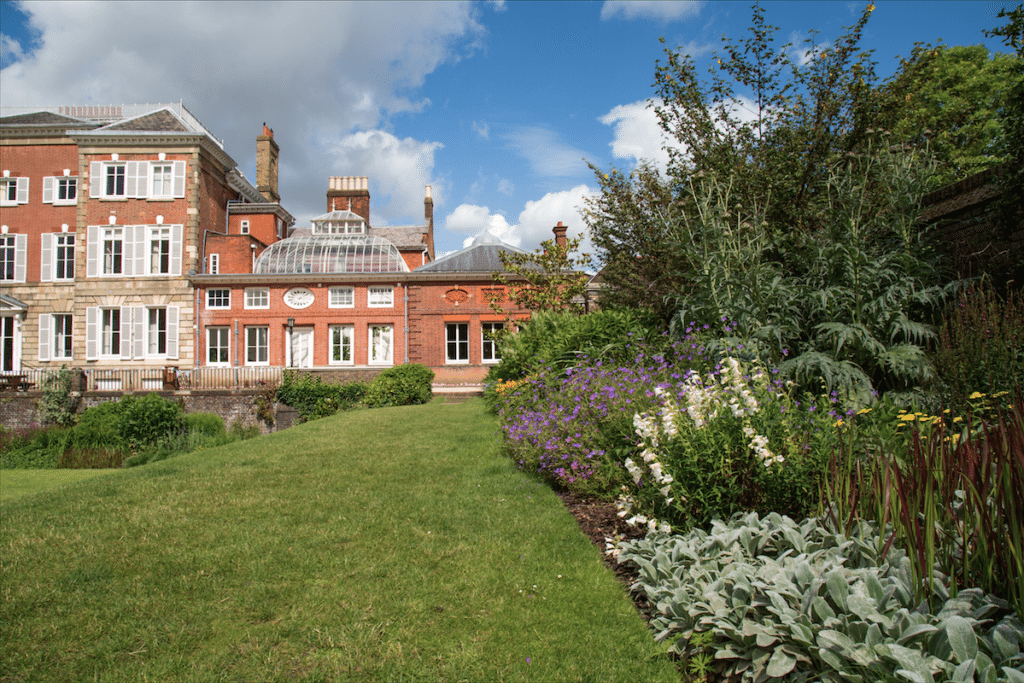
390	544
16	484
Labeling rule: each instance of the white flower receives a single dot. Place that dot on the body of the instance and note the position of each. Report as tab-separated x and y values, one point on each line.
656	470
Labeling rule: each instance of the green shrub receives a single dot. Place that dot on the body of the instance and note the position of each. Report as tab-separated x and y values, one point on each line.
106	416
209	424
313	398
58	405
402	385
562	338
35	449
148	419
980	345
792	601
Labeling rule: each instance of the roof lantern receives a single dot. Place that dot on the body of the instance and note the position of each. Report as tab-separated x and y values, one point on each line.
330	253
339	222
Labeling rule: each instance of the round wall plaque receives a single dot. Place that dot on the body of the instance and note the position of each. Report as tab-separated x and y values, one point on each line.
299	297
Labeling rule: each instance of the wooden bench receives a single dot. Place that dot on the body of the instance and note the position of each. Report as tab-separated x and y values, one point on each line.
15	383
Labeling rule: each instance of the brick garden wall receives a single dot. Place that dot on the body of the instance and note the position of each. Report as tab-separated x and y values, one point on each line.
966	220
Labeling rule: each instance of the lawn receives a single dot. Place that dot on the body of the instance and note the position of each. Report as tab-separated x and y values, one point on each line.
377	545
15	484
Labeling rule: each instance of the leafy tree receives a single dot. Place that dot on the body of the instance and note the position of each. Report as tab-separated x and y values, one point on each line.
951	101
550	279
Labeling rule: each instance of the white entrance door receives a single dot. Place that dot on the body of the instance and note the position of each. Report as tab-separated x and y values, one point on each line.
300	348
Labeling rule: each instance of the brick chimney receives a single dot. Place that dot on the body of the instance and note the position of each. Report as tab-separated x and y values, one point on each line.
266	164
559	231
350	193
428	219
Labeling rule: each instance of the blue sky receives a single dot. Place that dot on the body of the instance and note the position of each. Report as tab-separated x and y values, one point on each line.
497	105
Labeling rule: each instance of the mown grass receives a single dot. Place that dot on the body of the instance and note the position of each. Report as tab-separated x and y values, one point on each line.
380	545
15	484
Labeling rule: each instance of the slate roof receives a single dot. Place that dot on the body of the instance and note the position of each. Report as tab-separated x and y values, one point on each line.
482	256
162	121
40	118
403	236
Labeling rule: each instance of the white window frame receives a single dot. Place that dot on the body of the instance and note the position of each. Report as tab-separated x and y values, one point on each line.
55	246
380	354
243	228
158	236
165	178
342	337
137	242
213	264
488	343
13	185
148	331
137	179
14	248
341	297
96	346
56	341
222	346
460	344
217	300
52	186
114	261
380	297
257	298
257	342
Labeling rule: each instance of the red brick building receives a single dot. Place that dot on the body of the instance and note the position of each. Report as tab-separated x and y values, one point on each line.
106	211
130	239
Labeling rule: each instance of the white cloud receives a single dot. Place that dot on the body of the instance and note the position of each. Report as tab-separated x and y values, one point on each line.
535	220
546	153
482	129
324	71
638	134
506	187
474	220
662	10
397	169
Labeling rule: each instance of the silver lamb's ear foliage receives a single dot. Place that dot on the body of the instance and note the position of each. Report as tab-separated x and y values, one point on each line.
777	599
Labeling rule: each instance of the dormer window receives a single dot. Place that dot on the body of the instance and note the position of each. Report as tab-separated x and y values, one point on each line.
339	223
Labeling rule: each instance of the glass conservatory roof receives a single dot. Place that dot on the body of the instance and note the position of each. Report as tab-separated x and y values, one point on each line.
330	254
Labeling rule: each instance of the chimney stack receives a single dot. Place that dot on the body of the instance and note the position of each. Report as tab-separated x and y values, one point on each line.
428	218
559	231
349	193
266	164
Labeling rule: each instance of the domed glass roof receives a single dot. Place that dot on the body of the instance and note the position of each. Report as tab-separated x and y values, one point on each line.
330	254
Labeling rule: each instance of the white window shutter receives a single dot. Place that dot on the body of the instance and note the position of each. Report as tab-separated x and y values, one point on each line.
177	231
44	336
128	250
48	183
172	331
95	179
179	179
126	331
141	249
20	257
46	261
145	179
131	179
23	190
139	341
92	315
92	251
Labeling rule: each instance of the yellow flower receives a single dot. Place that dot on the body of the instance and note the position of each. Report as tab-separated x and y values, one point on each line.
839	423
864	411
871	7
977	394
909	417
957	419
